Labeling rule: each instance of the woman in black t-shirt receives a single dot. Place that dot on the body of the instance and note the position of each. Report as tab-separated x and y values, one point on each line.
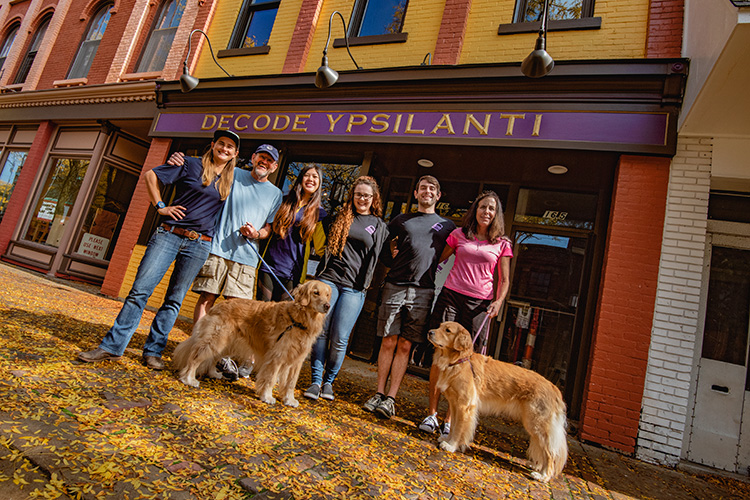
354	244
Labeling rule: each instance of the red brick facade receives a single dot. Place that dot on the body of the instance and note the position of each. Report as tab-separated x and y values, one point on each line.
665	19
452	32
299	47
131	228
622	329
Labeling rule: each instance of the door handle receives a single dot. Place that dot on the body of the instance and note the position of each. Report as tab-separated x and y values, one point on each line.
720	388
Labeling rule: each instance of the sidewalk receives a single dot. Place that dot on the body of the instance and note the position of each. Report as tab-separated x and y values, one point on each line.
119	430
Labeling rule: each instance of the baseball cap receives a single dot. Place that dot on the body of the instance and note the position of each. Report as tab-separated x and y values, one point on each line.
267	148
229	135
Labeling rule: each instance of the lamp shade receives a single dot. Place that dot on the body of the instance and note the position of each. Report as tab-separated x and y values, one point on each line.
188	82
325	77
539	62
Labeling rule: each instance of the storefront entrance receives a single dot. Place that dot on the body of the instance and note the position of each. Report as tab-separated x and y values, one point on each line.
720	435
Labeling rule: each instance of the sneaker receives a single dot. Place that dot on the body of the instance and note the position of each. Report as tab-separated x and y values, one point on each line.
327	392
386	409
373	402
445	430
430	424
312	392
246	369
228	368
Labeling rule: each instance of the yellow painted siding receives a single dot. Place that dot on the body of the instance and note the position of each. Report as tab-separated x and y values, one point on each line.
422	24
622	35
220	31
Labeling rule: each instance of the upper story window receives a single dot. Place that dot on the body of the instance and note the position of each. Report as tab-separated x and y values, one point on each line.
532	10
254	24
378	17
90	43
36	43
7	44
162	34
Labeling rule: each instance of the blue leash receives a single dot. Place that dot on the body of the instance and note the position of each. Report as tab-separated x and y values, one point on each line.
250	242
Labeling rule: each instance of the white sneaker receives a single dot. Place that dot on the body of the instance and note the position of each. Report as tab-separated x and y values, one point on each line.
430	424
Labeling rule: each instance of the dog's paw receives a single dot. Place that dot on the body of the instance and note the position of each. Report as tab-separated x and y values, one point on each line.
539	477
443	437
268	400
190	382
447	446
213	373
291	402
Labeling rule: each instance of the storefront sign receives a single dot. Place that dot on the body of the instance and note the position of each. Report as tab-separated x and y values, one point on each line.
623	128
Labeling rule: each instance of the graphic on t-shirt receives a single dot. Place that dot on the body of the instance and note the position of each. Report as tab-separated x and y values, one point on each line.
437	226
370	229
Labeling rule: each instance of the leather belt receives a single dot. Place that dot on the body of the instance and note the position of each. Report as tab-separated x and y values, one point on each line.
185	233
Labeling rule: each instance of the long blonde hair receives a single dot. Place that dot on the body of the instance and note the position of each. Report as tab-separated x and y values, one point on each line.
340	228
224	186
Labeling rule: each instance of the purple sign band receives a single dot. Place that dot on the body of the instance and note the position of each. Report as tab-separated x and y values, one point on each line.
567	126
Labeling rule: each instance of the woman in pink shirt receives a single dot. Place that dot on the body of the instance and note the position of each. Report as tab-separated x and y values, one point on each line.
469	295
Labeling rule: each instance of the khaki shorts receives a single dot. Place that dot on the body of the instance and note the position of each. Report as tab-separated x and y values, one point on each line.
221	276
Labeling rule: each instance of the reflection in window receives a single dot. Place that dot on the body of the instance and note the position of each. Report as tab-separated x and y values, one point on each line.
378	17
337	179
36	43
7	44
456	199
556	208
254	23
90	43
58	197
162	34
532	10
103	222
8	177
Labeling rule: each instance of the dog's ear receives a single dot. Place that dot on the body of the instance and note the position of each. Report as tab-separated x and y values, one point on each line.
462	341
302	294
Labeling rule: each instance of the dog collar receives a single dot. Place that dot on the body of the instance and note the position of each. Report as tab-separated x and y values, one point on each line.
294	323
462	360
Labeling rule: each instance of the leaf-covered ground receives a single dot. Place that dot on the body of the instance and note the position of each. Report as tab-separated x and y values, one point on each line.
118	430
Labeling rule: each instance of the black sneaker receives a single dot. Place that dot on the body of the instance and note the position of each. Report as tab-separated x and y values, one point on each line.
386	409
228	368
326	392
246	369
312	392
373	402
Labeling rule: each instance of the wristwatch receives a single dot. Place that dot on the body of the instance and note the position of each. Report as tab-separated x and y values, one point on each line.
160	205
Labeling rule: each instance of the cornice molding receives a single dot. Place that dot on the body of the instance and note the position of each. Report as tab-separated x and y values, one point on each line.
88	94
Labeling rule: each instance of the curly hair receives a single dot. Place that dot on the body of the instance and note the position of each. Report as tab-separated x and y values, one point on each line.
340	228
284	219
469	225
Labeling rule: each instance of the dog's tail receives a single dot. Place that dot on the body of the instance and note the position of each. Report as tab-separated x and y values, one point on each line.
558	443
181	353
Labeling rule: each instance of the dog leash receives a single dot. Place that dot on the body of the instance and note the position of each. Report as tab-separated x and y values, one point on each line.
484	340
250	242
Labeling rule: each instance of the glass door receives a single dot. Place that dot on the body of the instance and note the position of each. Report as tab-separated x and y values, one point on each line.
544	303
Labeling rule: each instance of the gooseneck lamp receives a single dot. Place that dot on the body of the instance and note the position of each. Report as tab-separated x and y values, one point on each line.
539	62
187	81
326	76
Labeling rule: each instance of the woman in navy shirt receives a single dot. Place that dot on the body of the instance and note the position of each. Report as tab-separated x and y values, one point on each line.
184	237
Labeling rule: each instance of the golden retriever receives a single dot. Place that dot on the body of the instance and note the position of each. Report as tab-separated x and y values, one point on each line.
278	335
475	384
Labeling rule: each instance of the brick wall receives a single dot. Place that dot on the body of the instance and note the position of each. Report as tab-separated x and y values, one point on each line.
25	183
131	228
304	29
665	19
622	329
452	31
676	322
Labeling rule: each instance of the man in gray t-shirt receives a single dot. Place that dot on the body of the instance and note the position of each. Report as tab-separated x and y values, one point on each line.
416	241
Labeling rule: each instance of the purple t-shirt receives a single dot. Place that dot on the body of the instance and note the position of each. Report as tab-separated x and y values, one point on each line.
474	268
202	203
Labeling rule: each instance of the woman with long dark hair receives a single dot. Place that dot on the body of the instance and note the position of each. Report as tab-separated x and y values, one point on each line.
469	294
296	227
355	241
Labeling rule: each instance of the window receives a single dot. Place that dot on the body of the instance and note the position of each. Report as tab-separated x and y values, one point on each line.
9	175
7	44
36	42
563	15
254	24
378	17
90	43
162	34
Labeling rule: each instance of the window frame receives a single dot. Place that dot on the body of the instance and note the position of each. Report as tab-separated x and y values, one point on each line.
36	42
158	19
587	21
8	41
105	10
355	25
244	21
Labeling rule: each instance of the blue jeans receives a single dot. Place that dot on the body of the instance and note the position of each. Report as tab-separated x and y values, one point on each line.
325	362
163	249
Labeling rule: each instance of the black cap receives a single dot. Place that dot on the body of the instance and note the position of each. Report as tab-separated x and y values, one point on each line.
229	135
